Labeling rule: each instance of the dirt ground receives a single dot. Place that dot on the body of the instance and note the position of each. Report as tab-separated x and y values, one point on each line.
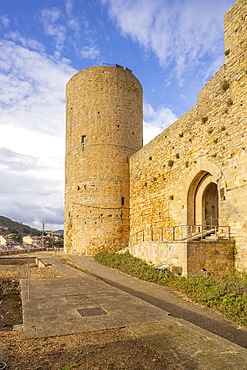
112	349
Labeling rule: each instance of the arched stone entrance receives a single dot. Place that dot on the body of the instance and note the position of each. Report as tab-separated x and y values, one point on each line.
210	205
202	200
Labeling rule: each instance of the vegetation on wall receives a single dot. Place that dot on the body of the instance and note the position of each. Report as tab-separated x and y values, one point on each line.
170	163
227	295
229	101
225	85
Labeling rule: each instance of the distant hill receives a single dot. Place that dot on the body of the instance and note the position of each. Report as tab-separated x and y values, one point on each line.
58	232
16	227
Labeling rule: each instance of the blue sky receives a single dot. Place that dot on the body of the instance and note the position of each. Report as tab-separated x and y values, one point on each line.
172	46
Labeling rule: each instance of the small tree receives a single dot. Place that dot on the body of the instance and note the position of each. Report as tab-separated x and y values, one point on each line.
17	237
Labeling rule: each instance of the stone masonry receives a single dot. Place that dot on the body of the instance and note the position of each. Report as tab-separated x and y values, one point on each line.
193	175
104	128
196	169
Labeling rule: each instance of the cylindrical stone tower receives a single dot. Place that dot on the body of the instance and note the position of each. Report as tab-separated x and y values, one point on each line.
104	127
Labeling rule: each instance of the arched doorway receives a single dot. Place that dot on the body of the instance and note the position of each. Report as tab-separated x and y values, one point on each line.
210	205
202	200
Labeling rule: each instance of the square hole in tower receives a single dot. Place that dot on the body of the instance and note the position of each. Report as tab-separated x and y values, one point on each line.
92	311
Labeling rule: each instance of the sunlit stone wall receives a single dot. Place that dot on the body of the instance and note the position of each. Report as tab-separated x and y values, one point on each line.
103	129
208	143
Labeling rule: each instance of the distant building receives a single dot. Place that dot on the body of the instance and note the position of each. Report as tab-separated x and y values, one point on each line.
3	241
27	240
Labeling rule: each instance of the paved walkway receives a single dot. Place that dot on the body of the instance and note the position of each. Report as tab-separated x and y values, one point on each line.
79	301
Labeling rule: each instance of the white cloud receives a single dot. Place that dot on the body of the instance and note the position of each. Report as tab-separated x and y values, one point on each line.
32	120
26	42
32	89
73	20
134	18
212	68
4	20
155	121
69	7
50	20
181	33
89	52
27	196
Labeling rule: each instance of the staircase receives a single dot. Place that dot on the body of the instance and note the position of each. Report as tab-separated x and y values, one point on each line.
180	233
204	235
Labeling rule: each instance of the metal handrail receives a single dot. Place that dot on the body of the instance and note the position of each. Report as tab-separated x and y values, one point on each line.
180	233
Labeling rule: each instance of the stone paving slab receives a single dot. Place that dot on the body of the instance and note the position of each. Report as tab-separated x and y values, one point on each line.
166	299
190	347
52	308
184	343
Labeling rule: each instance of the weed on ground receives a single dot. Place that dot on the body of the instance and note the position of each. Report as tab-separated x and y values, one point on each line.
226	295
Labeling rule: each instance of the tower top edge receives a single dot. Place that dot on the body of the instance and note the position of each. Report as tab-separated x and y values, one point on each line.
110	66
105	67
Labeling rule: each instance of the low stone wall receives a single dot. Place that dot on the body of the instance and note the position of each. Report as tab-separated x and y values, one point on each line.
172	253
188	258
210	257
40	263
21	251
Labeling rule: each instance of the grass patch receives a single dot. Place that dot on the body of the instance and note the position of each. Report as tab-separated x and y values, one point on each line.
133	266
227	295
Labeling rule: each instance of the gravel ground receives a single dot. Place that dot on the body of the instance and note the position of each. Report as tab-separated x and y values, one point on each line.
113	349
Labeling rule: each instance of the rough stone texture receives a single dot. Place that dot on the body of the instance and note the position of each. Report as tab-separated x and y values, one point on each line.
193	173
188	258
173	253
196	169
104	128
215	258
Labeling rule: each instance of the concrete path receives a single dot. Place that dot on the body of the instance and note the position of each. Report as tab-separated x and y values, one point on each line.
87	300
166	299
78	303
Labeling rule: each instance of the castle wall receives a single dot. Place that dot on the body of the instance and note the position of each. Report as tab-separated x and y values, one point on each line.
103	129
188	258
212	257
207	144
172	253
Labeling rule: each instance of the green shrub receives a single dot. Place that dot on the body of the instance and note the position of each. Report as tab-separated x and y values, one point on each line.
170	163
225	85
226	295
125	262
